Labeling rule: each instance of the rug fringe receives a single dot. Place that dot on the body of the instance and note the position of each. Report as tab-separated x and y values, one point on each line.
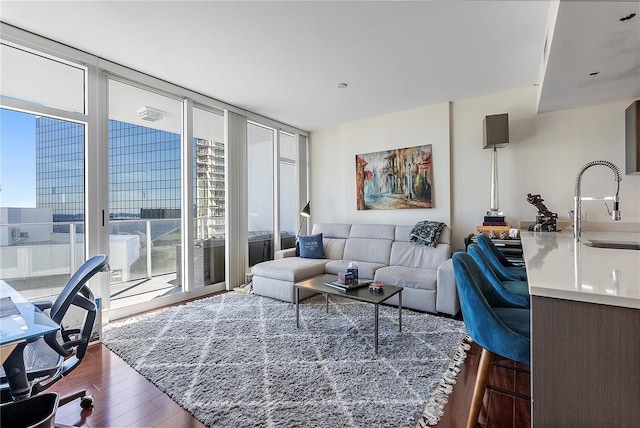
434	408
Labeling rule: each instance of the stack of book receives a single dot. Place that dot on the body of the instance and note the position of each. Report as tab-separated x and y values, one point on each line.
493	226
351	286
495	220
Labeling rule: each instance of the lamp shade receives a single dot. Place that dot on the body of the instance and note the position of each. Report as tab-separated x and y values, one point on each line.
306	211
495	131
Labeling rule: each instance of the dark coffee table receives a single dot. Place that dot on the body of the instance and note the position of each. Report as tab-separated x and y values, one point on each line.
362	294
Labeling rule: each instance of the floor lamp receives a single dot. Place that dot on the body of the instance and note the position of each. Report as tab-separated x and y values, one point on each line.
496	135
305	213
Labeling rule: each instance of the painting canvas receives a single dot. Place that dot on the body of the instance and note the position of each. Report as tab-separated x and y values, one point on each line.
394	179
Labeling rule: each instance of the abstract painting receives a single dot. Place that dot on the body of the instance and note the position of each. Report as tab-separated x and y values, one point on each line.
395	179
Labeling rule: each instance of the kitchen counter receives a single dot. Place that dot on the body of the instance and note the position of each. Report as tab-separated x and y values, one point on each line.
557	267
585	324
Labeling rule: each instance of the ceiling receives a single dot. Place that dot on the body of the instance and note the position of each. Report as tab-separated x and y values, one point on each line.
284	60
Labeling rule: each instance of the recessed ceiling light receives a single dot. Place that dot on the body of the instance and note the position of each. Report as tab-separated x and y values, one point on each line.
342	85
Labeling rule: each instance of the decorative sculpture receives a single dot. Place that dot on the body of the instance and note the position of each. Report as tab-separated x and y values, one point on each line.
545	219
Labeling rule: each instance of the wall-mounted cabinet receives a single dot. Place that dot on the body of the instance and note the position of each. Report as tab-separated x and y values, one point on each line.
632	132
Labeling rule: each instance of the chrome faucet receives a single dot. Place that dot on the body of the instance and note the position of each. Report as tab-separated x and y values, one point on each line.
578	198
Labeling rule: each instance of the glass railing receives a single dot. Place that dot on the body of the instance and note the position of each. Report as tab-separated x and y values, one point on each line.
37	259
143	260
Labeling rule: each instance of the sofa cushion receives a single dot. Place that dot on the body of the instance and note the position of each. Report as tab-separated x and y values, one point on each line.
333	247
410	254
332	230
370	250
373	231
424	279
311	247
290	268
366	270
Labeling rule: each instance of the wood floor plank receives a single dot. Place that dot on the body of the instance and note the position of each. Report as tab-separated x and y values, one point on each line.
134	415
158	416
182	420
496	412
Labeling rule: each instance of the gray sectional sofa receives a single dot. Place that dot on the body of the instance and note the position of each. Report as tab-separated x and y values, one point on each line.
382	253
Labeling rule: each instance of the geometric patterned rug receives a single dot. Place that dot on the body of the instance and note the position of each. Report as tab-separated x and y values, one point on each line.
238	360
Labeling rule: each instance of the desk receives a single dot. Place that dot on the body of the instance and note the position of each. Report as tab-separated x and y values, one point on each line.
25	324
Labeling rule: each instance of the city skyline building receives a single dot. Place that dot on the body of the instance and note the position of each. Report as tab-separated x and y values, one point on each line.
144	174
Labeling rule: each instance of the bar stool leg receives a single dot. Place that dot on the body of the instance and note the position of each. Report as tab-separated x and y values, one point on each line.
479	387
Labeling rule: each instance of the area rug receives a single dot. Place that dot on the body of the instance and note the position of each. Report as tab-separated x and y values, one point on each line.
238	360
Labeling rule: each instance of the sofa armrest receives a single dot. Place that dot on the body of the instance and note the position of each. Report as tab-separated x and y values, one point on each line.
447	295
281	254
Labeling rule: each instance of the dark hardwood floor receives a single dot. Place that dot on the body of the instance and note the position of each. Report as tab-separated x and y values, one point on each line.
499	410
124	398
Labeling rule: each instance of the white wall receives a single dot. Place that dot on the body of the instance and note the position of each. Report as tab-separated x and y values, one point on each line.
332	165
543	157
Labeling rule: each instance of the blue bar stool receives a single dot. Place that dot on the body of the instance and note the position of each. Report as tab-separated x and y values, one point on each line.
516	292
500	262
492	322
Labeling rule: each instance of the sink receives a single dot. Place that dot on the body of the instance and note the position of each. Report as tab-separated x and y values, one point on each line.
620	245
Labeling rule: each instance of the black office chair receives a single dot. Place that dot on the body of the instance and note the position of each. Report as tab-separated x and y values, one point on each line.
50	358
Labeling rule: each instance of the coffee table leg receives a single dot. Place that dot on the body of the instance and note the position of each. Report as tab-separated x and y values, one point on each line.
376	328
400	310
326	302
297	307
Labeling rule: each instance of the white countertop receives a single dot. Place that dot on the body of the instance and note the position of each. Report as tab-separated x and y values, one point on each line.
557	267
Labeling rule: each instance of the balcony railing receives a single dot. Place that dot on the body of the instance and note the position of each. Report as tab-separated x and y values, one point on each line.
39	258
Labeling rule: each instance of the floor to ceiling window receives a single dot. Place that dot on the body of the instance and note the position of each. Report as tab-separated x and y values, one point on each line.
144	193
96	157
272	182
209	176
260	141
42	171
288	190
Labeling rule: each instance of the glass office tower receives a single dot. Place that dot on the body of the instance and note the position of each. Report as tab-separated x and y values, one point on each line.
60	168
144	174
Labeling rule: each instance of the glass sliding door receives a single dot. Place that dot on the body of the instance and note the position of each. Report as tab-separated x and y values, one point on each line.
144	194
94	158
41	202
208	197
42	171
260	165
288	191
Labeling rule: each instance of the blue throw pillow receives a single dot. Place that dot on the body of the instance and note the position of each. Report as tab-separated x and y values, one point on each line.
311	247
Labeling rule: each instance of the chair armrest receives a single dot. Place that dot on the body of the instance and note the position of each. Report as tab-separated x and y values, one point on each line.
281	254
447	300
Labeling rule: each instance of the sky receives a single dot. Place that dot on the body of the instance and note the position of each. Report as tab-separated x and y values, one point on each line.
17	159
